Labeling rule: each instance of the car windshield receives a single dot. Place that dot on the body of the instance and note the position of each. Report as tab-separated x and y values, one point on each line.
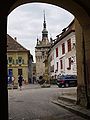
70	77
67	77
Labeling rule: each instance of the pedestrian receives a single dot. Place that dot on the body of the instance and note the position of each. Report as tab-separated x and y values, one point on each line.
13	79
20	80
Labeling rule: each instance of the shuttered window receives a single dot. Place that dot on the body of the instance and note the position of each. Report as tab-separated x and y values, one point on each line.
63	48
57	66
69	45
61	64
69	59
56	52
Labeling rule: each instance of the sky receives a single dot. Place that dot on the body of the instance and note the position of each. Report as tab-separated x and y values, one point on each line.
26	23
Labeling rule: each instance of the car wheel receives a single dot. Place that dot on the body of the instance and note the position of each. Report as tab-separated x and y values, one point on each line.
67	85
63	86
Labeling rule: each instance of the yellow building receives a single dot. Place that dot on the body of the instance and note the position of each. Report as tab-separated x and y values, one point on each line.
18	59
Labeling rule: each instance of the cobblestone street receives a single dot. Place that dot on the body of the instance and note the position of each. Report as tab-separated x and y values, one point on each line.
34	103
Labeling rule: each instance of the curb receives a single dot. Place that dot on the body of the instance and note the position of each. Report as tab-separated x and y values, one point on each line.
66	99
73	108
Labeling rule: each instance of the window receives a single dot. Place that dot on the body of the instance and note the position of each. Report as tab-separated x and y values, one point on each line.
19	71
10	72
56	52
63	48
19	60
57	66
61	64
69	45
69	62
10	60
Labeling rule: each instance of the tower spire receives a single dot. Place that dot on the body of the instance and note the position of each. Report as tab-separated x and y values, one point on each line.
44	14
44	24
44	31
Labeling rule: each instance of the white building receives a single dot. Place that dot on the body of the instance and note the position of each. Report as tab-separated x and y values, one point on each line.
62	55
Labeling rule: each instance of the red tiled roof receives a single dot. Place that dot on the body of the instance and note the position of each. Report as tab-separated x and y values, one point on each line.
13	45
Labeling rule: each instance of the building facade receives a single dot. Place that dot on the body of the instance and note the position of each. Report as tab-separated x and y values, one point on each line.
19	61
41	51
62	54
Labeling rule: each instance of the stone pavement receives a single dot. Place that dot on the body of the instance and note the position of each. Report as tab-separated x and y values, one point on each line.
37	86
68	101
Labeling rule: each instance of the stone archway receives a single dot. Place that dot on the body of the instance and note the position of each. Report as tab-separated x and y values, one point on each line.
81	11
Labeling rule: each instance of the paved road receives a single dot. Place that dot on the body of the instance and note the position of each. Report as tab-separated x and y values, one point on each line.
34	103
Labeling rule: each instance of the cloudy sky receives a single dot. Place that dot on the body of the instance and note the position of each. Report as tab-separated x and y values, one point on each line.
26	23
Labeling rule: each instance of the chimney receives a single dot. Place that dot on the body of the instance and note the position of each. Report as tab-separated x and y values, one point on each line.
15	38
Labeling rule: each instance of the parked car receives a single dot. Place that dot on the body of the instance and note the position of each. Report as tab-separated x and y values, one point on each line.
53	81
67	81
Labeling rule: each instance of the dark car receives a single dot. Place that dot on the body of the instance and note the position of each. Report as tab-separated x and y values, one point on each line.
67	81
